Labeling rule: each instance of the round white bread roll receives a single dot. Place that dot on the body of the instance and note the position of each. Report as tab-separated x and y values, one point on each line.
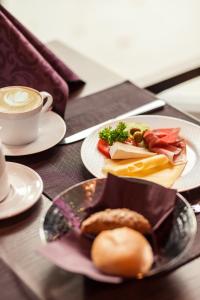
123	252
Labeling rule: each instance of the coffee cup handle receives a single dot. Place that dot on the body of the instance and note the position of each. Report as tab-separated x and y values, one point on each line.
48	102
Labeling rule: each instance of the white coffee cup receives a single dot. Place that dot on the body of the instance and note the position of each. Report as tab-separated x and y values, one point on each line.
4	181
20	111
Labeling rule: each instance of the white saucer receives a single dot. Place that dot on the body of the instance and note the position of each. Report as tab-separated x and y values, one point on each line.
26	189
52	130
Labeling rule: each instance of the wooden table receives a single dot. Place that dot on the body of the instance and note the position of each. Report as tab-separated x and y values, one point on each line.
19	237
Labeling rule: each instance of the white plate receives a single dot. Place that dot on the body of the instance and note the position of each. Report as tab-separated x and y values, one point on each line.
51	131
94	160
26	189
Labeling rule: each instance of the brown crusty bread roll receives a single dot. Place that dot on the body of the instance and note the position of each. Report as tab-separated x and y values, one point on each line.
115	218
122	252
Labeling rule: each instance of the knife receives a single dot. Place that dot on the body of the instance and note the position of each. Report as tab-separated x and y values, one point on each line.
156	104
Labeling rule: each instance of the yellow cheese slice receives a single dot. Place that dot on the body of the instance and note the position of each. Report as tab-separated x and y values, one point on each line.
131	167
156	169
168	176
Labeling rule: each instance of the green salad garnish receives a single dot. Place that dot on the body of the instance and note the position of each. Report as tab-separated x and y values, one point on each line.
132	131
118	134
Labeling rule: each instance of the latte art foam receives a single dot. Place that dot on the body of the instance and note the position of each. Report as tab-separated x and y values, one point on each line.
18	99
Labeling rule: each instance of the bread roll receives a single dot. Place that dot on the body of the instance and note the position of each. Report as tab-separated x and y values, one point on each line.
122	252
115	218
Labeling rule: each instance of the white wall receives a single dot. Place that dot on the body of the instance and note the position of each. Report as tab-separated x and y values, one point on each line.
144	40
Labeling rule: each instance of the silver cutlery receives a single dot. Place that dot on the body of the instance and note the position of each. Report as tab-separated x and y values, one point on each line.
146	108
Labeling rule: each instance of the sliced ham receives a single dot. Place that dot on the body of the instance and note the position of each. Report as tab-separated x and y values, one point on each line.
162	137
168	142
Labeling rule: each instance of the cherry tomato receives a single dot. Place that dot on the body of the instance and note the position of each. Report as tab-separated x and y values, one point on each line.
103	147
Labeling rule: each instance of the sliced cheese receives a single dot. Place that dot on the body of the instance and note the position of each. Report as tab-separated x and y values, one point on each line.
124	151
140	167
168	176
157	169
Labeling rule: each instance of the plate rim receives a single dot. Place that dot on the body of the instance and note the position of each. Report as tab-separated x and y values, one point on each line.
151	116
38	194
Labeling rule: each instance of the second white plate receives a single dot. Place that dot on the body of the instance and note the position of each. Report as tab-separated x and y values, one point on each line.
26	189
94	160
